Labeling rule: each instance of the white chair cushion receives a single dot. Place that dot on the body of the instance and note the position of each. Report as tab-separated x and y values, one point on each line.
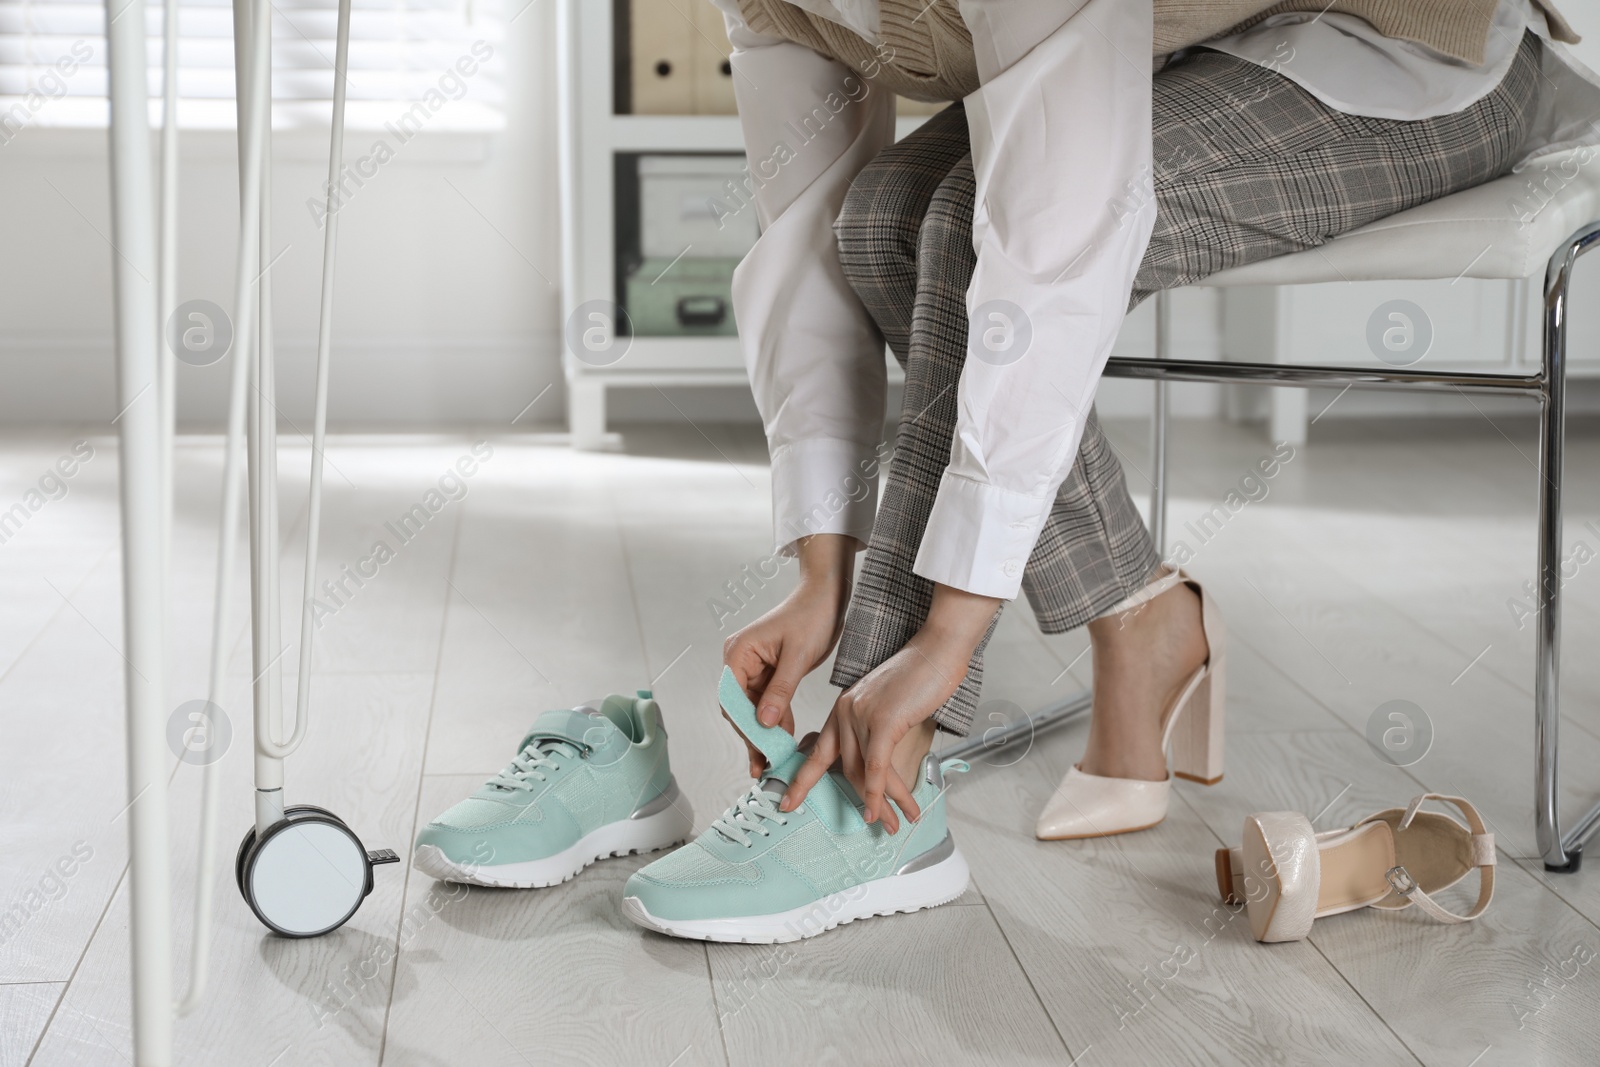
1490	231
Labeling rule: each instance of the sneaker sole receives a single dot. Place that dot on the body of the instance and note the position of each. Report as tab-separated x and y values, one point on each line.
627	837
929	888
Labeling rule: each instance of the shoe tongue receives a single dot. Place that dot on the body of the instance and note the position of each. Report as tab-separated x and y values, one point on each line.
774	787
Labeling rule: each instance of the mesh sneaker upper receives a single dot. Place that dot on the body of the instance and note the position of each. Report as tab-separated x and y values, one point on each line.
780	865
576	771
694	864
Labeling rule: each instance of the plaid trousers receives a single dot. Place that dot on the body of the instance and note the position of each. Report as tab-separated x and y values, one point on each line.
1247	165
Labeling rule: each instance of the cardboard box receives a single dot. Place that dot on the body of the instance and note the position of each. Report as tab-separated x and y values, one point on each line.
686	208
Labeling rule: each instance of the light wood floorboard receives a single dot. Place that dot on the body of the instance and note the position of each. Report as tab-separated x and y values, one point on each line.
1129	948
553	976
1377	567
24	1009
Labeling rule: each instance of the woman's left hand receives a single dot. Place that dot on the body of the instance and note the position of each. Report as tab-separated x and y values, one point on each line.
872	717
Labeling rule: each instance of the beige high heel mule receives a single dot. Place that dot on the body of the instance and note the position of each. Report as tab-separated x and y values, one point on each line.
1088	805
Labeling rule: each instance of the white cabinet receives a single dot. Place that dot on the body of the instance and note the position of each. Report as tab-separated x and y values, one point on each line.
592	135
593	139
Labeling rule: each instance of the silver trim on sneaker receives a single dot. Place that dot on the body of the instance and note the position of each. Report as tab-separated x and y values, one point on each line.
664	800
937	854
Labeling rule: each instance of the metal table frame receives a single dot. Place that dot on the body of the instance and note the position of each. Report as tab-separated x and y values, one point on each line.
145	388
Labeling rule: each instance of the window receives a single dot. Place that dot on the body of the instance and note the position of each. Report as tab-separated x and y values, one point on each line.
414	64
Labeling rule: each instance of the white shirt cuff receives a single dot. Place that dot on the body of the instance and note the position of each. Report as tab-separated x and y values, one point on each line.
823	485
979	537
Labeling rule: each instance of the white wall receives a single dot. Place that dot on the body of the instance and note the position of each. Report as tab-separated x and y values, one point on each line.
442	315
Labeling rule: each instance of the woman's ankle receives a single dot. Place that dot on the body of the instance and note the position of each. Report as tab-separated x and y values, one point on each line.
1168	625
1142	658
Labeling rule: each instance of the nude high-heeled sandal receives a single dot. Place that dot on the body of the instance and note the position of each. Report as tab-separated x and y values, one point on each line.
1288	877
1087	805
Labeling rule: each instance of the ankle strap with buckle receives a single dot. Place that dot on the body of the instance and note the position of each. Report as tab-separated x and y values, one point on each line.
1483	858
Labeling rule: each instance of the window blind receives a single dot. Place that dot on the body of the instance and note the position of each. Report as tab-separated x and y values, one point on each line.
442	54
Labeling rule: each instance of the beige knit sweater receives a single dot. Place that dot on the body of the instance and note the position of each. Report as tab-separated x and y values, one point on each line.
926	51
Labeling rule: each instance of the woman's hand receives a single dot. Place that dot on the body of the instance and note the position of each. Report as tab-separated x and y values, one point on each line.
870	719
771	655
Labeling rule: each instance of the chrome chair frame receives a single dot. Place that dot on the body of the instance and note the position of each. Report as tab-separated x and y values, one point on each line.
1560	852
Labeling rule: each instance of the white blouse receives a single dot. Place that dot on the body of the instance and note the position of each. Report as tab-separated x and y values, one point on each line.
1346	63
1060	133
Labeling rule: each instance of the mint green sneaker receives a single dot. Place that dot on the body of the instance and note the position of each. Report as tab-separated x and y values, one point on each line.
763	876
586	784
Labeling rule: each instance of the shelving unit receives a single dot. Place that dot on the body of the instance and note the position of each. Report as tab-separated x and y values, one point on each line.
592	135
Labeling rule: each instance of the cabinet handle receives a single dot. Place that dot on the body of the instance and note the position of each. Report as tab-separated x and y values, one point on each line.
702	311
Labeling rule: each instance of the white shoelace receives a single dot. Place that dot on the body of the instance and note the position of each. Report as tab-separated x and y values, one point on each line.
747	815
533	762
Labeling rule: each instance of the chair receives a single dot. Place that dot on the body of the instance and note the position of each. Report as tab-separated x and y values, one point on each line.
1484	232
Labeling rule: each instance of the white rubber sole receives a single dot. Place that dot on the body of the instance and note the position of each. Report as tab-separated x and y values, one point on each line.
649	833
939	884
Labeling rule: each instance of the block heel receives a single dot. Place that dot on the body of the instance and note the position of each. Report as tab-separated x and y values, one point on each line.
1086	805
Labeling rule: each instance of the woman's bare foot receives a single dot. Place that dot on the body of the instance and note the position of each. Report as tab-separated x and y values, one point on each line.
1142	659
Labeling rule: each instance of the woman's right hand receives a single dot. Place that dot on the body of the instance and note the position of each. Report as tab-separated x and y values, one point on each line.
771	655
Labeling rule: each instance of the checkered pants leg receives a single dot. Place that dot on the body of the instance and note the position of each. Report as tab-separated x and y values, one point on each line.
905	242
1247	166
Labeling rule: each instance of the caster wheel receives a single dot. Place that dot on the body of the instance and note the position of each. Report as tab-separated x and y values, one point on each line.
250	839
307	874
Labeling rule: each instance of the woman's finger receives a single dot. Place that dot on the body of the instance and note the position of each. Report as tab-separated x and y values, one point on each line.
850	754
777	696
758	762
811	772
751	661
878	764
901	794
753	680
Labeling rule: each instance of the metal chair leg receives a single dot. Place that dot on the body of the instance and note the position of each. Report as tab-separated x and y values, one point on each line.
1547	651
983	741
1559	853
1158	429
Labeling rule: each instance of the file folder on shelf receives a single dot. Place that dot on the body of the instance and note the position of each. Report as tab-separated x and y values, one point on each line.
661	37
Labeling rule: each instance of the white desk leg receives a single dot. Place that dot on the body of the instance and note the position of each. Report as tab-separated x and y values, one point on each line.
1287	417
1286	411
586	412
143	554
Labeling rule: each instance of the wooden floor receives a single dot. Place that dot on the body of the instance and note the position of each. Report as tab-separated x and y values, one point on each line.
1384	563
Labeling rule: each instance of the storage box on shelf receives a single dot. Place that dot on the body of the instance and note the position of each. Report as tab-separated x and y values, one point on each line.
677	58
642	81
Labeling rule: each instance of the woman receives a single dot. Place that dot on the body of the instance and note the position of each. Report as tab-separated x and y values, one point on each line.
1067	185
996	250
